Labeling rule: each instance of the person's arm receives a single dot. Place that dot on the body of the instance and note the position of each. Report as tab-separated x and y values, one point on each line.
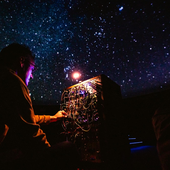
42	119
46	119
59	115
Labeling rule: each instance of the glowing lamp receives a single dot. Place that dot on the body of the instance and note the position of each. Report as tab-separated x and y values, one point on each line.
76	75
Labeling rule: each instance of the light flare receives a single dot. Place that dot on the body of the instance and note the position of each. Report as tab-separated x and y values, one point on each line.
76	75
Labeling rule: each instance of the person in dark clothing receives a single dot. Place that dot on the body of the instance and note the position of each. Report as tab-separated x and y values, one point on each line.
17	116
161	126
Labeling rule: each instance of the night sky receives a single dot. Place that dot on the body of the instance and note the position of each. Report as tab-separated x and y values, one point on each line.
128	41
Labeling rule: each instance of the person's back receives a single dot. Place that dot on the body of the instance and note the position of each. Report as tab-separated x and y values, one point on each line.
7	81
17	113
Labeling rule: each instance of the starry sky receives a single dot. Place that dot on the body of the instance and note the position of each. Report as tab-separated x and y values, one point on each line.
128	41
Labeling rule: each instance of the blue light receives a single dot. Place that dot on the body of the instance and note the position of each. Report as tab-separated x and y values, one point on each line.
121	8
133	143
140	148
132	138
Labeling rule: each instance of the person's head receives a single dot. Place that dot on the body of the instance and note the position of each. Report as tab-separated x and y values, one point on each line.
20	59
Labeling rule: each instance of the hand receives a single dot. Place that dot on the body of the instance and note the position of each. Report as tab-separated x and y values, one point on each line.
59	115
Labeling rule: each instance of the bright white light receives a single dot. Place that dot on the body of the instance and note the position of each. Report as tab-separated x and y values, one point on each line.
121	8
76	75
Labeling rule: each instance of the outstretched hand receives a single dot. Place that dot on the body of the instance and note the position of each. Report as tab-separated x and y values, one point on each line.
59	115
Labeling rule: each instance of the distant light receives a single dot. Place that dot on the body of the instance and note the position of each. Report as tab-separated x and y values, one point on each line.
132	138
121	8
134	143
141	148
76	75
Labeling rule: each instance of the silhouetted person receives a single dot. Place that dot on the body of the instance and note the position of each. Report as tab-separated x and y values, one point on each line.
161	125
20	131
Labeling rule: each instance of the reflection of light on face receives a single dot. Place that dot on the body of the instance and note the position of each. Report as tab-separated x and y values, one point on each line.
29	75
76	75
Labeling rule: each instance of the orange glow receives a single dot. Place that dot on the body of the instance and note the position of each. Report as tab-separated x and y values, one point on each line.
76	75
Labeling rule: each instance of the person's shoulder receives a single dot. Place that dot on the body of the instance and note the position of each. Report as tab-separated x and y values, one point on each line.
11	80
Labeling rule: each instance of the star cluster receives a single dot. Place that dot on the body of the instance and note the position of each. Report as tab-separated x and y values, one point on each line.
126	41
